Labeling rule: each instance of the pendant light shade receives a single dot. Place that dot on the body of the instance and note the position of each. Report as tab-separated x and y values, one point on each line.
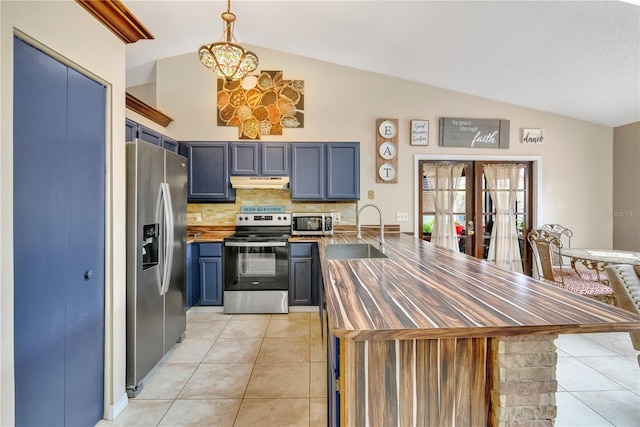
227	58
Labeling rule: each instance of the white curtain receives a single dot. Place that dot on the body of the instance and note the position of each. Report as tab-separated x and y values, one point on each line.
445	180
502	183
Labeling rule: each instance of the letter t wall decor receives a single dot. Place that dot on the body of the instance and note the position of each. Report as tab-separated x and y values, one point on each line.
261	104
387	151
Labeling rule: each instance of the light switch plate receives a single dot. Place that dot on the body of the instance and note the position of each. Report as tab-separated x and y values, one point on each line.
336	217
198	217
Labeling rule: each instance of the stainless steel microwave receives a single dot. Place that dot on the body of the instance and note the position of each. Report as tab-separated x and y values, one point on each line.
311	224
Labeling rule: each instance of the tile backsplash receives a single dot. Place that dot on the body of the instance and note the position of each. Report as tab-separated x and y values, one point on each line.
224	213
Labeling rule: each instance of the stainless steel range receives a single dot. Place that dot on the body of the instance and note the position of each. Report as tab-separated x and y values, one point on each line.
256	264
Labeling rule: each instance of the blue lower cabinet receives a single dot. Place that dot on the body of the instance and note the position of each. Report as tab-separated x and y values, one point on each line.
210	263
333	378
303	273
193	275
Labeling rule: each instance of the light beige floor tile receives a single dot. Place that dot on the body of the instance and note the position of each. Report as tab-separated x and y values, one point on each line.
283	328
281	350
318	412
166	380
245	329
206	329
620	408
317	349
574	375
210	412
300	315
190	350
220	380
573	413
314	328
140	413
318	379
617	368
273	413
619	342
235	317
205	316
279	380
241	350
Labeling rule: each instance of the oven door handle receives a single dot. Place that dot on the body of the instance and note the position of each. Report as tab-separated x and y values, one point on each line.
255	244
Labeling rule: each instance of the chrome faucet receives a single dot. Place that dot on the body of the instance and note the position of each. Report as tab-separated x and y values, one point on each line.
383	245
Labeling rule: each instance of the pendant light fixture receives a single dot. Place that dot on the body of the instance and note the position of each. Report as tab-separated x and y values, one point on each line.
227	58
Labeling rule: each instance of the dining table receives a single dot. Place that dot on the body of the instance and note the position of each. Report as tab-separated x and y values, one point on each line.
598	259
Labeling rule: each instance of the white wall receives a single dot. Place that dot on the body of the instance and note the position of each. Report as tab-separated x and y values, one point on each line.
626	187
67	31
342	104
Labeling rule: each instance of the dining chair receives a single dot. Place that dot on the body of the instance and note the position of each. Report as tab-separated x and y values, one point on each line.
625	282
565	235
544	245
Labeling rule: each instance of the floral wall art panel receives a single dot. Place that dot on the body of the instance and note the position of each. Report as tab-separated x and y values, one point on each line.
263	104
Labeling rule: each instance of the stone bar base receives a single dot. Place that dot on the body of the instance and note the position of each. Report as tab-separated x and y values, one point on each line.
523	381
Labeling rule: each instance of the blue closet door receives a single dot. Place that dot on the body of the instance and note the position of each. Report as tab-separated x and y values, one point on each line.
59	128
84	266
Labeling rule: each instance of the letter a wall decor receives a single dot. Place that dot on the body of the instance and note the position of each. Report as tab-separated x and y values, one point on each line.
387	151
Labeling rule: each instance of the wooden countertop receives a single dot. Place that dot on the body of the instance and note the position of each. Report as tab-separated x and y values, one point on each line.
208	236
422	291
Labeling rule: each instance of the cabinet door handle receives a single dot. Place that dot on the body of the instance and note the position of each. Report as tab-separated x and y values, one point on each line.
88	274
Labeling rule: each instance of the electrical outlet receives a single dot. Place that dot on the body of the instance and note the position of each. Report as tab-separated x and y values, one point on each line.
336	217
371	194
198	217
402	216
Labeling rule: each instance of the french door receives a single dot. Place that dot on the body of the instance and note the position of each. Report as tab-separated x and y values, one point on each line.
474	210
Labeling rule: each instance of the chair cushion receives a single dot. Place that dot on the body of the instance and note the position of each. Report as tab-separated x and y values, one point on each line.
581	287
586	287
580	274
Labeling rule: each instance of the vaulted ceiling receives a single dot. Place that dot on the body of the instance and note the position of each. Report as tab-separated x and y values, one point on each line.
580	59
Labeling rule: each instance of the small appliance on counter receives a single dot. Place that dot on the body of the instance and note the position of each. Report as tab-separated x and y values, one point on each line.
311	224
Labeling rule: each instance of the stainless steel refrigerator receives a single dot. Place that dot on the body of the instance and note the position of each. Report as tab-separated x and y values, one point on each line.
156	257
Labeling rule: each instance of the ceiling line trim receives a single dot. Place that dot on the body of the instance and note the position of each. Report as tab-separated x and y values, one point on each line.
114	15
134	104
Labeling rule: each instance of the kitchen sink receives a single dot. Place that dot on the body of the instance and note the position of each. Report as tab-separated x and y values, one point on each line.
352	251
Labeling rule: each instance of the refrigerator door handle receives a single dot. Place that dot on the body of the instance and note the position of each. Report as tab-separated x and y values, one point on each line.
169	236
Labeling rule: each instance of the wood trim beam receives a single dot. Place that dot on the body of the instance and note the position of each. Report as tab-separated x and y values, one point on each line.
114	15
134	104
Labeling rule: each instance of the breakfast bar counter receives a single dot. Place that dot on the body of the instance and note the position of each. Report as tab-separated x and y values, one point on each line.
431	337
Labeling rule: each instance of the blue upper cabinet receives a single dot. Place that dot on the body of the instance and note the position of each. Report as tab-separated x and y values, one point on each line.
325	171
133	130
244	158
209	172
259	159
307	171
275	159
343	171
130	130
169	144
149	135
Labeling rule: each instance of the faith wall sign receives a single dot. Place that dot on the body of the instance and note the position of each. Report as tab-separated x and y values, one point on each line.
474	133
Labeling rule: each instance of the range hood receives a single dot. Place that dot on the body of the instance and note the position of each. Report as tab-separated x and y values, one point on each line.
266	182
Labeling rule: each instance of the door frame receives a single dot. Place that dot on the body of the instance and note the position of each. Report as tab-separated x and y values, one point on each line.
536	162
113	347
